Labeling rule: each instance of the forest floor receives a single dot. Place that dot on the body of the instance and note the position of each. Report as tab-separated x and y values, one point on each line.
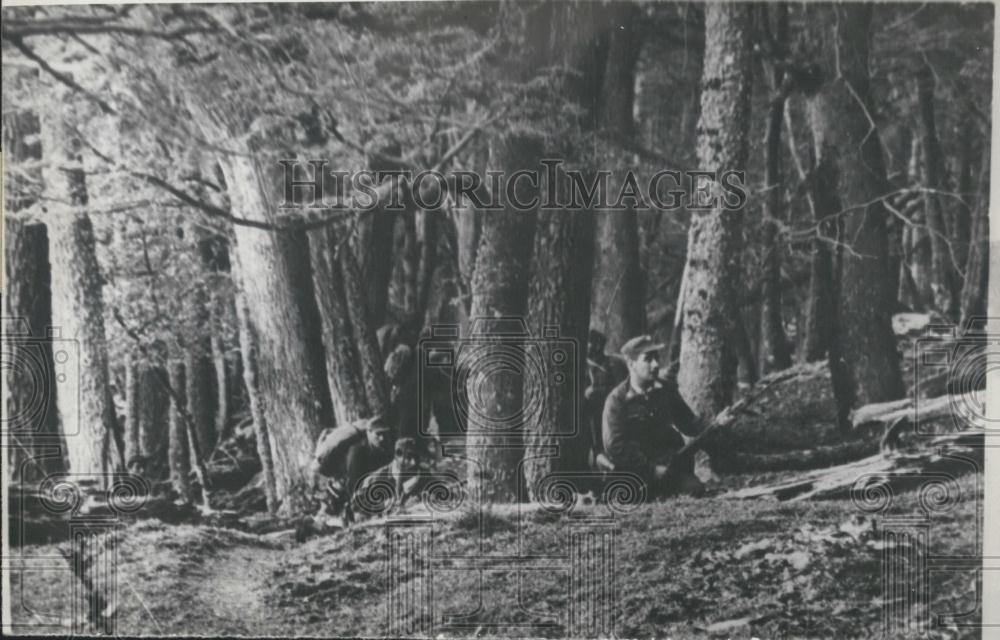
681	568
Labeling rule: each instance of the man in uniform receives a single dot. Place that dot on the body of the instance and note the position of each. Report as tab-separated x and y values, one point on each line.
644	417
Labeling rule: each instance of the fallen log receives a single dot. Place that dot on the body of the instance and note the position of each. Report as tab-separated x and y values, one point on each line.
894	417
795	460
947	455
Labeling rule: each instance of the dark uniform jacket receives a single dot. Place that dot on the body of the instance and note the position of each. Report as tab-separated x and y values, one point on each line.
602	377
640	430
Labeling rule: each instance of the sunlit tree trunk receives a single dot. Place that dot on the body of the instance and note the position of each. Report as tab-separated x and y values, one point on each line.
354	368
288	379
707	376
83	397
975	291
942	271
178	454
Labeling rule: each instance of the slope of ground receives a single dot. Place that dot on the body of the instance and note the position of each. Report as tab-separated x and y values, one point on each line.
682	568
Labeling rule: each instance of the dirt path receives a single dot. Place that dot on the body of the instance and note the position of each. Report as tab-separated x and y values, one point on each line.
234	590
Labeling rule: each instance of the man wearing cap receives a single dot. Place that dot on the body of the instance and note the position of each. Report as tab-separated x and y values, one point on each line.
644	417
350	451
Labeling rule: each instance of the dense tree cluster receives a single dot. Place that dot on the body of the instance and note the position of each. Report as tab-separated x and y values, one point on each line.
144	197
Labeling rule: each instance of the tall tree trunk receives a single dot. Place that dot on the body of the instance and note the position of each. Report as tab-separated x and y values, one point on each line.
961	231
222	385
942	271
917	240
353	361
775	352
83	396
258	404
375	257
133	457
975	291
866	366
289	375
559	296
707	376
179	452
618	303
819	303
499	288
200	375
29	409
428	228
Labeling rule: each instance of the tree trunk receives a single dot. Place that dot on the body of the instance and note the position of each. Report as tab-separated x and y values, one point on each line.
353	361
975	291
251	377
375	257
178	453
917	240
942	271
707	374
83	396
133	457
499	288
775	352
200	375
961	229
29	409
849	156
618	305
222	385
559	296
427	225
287	380
617	308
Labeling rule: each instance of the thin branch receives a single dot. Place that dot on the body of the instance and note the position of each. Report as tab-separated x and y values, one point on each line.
58	75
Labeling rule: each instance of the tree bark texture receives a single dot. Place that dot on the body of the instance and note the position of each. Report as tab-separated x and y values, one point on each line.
353	362
499	288
558	316
975	291
289	379
942	279
29	404
707	376
178	453
618	305
775	352
83	395
848	154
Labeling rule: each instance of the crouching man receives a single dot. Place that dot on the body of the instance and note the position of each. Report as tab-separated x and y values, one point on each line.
643	419
349	452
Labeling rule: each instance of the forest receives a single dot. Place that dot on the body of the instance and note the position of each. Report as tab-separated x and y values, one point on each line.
242	238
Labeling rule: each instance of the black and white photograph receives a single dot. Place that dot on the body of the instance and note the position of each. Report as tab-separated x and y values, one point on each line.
499	318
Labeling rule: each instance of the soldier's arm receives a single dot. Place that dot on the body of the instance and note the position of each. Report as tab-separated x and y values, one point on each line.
624	453
680	413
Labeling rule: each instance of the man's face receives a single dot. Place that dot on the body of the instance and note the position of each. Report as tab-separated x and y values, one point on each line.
378	438
407	454
644	369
